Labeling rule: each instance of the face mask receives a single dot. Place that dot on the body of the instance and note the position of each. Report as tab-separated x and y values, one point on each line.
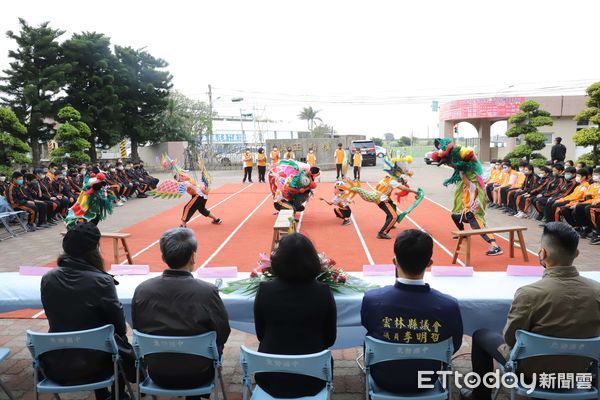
45	170
596	178
578	179
83	172
526	172
568	176
112	170
541	175
521	170
311	152
505	169
120	168
2	179
20	182
64	173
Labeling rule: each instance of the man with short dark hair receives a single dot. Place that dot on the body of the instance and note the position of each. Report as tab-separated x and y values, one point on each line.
177	304
559	151
562	304
338	158
410	312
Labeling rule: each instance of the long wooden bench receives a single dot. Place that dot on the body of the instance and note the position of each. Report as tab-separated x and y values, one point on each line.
284	225
464	237
116	237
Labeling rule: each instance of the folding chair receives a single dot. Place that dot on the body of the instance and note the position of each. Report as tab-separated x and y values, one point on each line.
204	345
533	345
378	351
101	339
317	365
4	352
5	218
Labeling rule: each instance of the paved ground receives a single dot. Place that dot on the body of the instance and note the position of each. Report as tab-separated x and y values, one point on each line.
43	246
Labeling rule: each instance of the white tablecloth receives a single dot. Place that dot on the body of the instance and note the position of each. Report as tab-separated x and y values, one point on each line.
484	300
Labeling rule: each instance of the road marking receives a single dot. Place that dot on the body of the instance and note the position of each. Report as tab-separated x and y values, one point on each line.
38	314
444	248
232	234
495	234
192	219
362	240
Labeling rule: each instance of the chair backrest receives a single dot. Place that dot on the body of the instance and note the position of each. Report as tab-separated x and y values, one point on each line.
530	344
377	351
204	345
101	339
317	365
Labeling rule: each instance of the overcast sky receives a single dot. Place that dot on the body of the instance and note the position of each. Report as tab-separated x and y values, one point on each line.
369	66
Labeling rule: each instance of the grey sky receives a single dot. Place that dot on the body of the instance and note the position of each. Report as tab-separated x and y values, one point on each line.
339	55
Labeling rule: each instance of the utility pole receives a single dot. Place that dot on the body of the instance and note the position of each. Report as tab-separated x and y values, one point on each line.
210	124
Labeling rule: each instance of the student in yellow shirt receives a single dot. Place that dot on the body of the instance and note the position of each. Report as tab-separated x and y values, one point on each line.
339	161
261	162
275	156
289	154
507	192
357	162
587	213
311	158
247	158
493	179
508	177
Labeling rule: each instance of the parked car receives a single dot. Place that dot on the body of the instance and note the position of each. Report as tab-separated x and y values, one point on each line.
367	149
381	151
428	159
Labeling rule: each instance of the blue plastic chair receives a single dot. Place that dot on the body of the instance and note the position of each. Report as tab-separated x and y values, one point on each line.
4	352
533	345
378	351
204	345
101	339
317	365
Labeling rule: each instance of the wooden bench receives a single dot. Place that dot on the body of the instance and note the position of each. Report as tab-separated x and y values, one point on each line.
116	236
465	236
284	225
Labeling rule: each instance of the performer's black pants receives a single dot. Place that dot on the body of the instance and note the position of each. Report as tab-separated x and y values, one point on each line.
484	351
356	173
338	170
196	203
342	212
469	218
389	208
261	173
248	174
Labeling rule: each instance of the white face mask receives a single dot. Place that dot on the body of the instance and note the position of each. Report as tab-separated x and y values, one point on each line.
505	169
596	178
578	179
542	175
2	179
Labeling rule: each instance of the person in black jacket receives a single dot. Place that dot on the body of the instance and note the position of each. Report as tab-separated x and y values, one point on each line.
294	314
559	151
177	304
79	295
19	200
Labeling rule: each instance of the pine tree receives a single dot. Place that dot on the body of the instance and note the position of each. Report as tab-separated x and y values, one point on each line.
590	137
90	88
13	150
34	79
144	87
71	137
526	123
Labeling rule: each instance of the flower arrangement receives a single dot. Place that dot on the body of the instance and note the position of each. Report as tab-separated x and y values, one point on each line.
338	280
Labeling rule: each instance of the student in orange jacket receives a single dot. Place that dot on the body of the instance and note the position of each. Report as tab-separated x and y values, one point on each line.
579	215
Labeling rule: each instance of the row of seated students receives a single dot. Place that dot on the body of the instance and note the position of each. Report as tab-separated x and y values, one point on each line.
295	314
557	192
47	192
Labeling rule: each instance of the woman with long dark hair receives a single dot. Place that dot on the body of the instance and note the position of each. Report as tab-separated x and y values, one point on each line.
294	314
80	295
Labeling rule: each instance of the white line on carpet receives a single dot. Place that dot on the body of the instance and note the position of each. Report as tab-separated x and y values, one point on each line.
38	314
192	219
218	250
362	240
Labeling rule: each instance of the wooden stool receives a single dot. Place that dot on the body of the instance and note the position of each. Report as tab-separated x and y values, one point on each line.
284	224
116	236
465	236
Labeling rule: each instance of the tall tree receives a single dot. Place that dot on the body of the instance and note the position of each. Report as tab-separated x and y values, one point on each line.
71	137
309	115
143	87
13	150
590	137
526	123
34	80
91	87
322	131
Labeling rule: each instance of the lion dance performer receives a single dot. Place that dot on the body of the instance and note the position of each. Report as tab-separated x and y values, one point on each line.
94	203
469	196
181	183
292	182
341	200
397	173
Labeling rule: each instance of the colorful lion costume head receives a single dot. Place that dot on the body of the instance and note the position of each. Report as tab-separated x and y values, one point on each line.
93	204
398	168
181	181
462	159
292	180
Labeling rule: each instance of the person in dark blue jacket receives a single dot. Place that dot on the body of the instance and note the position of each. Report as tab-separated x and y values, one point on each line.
410	312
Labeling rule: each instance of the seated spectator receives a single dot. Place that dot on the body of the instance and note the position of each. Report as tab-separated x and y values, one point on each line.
19	200
507	178
177	304
551	189
294	314
566	205
517	184
79	295
538	186
410	312
569	163
562	304
565	189
495	179
582	214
